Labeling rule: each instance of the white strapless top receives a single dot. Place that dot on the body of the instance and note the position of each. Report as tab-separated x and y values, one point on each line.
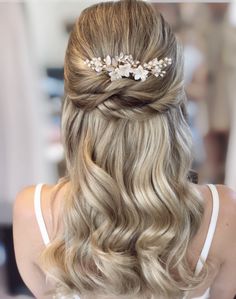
204	252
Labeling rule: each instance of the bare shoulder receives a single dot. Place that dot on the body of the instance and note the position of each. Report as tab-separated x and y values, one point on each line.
225	238
227	211
222	255
227	198
227	201
25	225
23	209
24	219
28	243
23	205
224	244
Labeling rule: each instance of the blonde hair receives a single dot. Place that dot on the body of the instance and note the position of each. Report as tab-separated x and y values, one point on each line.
131	210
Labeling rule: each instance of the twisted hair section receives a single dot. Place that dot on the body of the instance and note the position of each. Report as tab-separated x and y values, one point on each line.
130	213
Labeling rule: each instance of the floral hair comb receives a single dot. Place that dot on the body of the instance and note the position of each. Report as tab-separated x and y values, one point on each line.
125	66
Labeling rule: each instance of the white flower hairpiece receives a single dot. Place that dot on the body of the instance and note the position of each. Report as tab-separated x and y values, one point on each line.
125	66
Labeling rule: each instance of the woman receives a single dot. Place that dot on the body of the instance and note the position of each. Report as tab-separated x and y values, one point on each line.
126	222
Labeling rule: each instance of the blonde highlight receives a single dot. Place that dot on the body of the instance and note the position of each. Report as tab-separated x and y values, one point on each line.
131	212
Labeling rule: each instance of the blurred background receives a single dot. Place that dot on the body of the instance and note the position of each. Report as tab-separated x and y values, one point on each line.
33	41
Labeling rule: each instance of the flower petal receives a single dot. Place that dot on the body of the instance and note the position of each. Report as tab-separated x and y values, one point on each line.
108	60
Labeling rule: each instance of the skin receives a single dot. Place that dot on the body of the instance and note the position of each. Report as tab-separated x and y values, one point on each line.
29	244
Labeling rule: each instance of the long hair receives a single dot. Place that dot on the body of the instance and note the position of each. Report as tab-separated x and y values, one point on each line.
131	212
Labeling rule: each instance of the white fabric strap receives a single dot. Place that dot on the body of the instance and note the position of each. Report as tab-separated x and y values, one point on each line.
211	230
39	215
206	295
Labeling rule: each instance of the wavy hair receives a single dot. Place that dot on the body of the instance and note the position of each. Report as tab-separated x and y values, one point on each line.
131	211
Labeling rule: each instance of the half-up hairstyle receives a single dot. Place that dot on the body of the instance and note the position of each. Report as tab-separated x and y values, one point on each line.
131	212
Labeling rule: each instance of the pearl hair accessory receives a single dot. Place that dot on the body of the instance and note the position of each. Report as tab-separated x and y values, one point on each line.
125	66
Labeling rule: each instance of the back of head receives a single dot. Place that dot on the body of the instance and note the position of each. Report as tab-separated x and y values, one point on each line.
131	211
130	27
